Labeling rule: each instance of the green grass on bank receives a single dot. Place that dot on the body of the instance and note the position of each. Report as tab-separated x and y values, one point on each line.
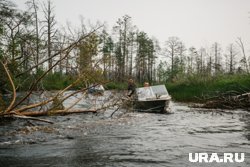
194	88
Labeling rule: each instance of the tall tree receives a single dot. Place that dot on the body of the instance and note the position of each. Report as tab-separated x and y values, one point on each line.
51	30
162	72
191	58
33	5
244	59
145	57
131	50
107	50
88	49
182	50
216	49
123	27
231	58
141	57
172	48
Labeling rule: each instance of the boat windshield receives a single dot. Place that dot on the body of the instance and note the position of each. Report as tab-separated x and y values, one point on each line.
159	90
151	92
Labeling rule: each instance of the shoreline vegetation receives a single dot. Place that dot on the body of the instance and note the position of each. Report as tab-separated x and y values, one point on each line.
223	92
194	89
198	89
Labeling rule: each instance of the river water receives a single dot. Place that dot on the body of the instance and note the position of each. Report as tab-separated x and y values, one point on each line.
126	139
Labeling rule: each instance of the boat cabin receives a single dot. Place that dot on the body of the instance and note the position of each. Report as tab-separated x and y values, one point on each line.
151	93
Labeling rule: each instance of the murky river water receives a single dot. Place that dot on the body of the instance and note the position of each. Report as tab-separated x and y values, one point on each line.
130	139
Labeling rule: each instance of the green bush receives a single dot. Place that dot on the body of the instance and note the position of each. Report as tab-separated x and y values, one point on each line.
57	81
116	85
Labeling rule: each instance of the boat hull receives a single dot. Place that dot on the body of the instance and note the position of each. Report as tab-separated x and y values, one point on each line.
156	106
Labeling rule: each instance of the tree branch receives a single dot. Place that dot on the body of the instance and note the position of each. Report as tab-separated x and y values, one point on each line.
13	88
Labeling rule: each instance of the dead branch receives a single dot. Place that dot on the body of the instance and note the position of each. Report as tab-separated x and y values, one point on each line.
32	118
229	100
67	50
56	112
70	47
23	112
13	88
37	81
46	101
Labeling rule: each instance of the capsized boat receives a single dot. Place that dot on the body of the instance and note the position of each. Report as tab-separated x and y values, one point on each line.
152	99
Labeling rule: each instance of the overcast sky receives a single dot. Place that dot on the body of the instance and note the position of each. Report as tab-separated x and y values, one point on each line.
196	22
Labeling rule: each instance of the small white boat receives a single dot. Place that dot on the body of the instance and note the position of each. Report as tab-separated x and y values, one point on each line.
152	99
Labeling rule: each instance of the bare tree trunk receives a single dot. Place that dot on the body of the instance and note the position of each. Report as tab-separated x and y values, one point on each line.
12	85
241	45
37	35
49	35
131	56
216	58
50	24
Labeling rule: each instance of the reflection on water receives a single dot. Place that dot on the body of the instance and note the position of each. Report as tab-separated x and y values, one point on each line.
131	139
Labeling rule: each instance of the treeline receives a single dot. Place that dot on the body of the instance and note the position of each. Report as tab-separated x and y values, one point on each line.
204	62
33	44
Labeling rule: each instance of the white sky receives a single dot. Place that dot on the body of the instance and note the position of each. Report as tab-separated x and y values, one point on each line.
196	22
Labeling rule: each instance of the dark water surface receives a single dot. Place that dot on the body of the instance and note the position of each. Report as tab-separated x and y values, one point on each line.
130	139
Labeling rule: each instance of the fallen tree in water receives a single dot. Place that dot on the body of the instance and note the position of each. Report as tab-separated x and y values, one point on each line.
228	100
19	108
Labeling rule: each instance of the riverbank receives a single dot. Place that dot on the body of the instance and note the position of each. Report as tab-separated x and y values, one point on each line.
195	89
189	89
200	89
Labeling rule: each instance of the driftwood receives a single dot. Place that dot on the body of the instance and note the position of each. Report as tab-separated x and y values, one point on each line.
32	118
228	100
12	85
56	112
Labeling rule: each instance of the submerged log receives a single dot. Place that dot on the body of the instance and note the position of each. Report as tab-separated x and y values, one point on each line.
56	112
30	115
32	118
